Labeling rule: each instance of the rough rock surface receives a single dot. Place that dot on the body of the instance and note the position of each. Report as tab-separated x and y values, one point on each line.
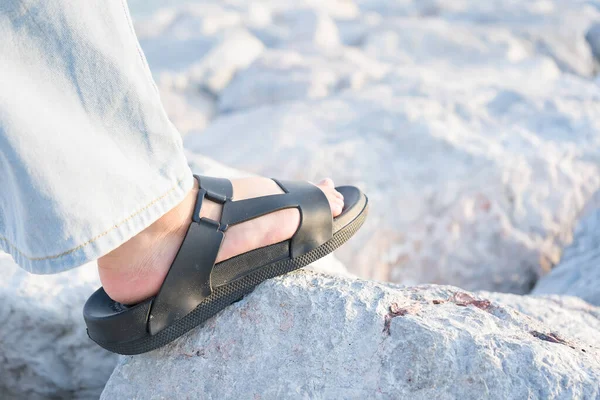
578	273
309	335
593	38
44	349
471	125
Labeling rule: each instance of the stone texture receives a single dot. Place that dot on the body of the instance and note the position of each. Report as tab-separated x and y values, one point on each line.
236	50
284	75
45	352
306	27
593	38
578	273
307	335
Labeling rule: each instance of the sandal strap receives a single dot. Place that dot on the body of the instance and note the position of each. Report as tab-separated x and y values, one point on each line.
188	281
316	222
218	190
236	212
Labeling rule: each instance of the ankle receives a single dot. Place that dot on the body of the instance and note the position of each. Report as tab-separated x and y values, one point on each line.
135	270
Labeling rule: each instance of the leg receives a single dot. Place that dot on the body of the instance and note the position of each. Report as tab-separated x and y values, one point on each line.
91	165
88	157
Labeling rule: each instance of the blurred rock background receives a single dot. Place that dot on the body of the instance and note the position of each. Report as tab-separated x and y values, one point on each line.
472	126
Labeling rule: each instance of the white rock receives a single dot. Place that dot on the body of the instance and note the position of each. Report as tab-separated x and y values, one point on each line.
190	109
330	265
237	50
187	20
546	28
44	348
279	76
201	46
469	132
578	273
471	135
411	41
311	336
473	181
318	28
303	28
593	38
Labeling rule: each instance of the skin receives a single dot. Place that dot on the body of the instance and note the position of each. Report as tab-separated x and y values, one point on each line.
136	270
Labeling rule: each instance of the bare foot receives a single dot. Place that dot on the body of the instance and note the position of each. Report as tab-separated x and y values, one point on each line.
136	270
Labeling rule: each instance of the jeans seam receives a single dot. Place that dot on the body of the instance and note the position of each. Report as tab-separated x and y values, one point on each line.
95	238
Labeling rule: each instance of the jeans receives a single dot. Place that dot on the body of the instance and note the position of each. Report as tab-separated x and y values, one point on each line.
88	157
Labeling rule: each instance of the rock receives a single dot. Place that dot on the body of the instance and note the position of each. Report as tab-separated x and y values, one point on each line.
475	128
578	273
279	76
301	28
310	26
563	314
185	21
236	51
210	68
411	41
470	125
593	39
311	336
44	348
190	109
470	190
330	265
201	46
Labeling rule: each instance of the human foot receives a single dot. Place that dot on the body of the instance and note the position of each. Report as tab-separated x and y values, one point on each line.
136	270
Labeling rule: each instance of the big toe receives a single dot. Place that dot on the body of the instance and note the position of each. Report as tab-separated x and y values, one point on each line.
335	198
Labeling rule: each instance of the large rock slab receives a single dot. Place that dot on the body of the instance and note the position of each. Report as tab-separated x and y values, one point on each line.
44	349
578	273
309	335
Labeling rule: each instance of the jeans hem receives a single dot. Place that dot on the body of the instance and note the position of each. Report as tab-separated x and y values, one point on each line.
110	239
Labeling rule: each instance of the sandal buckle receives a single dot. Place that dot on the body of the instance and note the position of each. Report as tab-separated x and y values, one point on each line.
210	223
217	198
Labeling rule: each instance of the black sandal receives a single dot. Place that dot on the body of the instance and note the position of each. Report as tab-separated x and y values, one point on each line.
196	288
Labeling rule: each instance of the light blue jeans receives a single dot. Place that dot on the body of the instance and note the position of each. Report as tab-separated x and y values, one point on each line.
88	157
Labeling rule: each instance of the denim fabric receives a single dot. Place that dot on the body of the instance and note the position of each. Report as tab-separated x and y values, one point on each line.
88	157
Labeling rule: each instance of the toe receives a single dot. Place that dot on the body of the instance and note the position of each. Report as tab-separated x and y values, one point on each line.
327	182
335	202
337	207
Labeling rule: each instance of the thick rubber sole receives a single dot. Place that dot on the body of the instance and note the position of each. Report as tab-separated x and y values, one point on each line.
225	295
